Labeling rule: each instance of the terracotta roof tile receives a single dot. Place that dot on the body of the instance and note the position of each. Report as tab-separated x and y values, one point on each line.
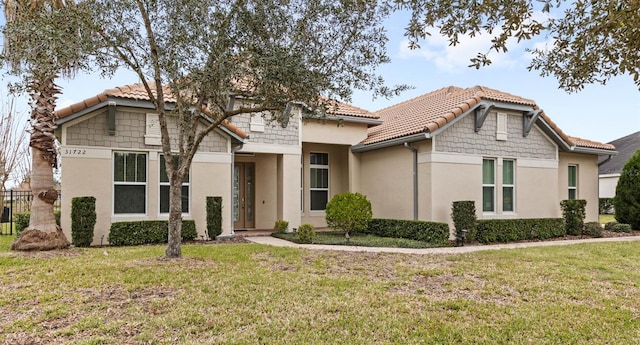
133	91
434	110
341	108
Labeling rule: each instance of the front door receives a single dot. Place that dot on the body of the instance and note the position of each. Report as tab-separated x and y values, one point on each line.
244	195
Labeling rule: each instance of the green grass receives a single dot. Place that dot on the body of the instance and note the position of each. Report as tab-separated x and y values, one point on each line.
606	218
253	294
363	240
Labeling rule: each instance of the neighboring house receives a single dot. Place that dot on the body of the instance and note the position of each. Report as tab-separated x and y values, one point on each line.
412	160
610	167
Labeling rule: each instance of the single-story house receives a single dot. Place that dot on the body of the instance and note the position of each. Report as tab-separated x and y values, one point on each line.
412	160
610	167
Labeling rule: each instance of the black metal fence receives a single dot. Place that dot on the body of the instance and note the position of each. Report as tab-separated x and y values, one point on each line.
14	202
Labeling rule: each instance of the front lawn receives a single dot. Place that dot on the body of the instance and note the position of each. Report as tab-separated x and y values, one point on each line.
255	294
363	240
606	218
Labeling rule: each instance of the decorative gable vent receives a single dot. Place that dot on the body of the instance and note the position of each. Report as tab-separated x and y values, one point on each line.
152	133
501	129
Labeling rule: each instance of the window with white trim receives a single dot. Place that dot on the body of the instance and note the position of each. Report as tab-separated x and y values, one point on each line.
164	188
488	185
318	180
573	182
508	185
129	183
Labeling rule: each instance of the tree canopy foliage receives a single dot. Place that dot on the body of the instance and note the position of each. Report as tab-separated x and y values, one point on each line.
204	61
586	41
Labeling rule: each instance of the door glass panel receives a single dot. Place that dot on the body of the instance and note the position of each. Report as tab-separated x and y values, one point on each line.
236	193
250	192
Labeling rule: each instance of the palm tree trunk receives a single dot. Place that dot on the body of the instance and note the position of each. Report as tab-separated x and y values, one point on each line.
42	233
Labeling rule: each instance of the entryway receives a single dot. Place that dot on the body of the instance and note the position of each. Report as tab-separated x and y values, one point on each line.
244	195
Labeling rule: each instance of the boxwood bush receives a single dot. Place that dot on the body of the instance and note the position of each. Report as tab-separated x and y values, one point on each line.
147	232
83	220
463	214
435	233
21	220
593	229
348	212
621	227
509	230
306	233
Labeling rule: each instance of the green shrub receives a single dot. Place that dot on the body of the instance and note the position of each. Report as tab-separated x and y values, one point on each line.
605	205
281	226
83	220
434	233
627	200
147	232
463	214
609	226
306	233
621	227
348	212
509	230
214	216
21	221
593	229
573	212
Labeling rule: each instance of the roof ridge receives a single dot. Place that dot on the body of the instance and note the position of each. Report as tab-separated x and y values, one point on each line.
411	100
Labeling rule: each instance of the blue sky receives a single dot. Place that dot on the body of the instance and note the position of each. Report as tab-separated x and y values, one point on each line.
601	113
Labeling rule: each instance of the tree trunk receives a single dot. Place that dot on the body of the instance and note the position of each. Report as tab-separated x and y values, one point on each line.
42	233
175	218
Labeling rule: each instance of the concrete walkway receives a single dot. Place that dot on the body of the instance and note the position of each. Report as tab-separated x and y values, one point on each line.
272	241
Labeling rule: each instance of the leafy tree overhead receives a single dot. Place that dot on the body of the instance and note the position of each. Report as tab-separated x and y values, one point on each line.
587	41
627	200
271	57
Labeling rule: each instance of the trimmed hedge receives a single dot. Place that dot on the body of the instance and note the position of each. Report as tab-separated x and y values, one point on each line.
21	220
214	217
593	229
147	232
621	227
306	233
348	212
509	230
434	233
83	220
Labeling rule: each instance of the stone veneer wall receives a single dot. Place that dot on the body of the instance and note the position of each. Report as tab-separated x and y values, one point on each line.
273	132
461	138
130	131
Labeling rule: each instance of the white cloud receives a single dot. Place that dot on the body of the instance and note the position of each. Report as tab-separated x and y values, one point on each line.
453	59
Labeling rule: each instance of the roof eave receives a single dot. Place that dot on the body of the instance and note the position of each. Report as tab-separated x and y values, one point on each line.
594	151
391	142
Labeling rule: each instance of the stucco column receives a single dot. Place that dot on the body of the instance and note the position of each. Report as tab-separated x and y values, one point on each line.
289	189
354	170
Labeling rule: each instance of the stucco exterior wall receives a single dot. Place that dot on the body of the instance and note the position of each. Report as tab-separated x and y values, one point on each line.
331	132
387	181
587	180
462	138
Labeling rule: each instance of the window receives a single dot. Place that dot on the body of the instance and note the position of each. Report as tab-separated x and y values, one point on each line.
319	180
508	185
129	183
488	185
164	188
573	182
256	123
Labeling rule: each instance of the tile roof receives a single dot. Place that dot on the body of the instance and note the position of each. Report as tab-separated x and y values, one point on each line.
135	92
341	108
427	113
